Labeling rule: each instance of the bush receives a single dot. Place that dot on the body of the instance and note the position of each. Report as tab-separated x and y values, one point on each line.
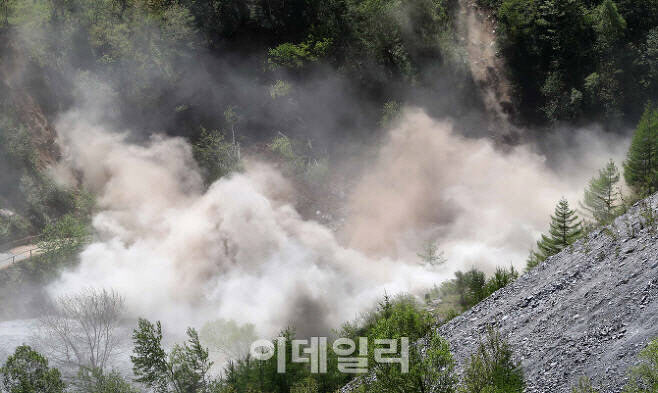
502	277
298	55
307	385
468	289
64	236
402	317
95	381
431	369
491	368
216	157
300	161
644	377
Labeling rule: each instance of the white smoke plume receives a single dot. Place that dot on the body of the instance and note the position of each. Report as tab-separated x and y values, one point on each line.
237	251
240	251
485	207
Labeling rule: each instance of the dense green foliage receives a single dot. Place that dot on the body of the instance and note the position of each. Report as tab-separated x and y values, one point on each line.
26	371
578	59
247	374
468	289
173	64
565	228
95	381
34	198
491	368
215	156
393	318
431	369
271	68
641	166
183	370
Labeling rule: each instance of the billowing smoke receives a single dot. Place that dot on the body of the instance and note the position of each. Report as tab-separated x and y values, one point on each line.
240	251
237	250
483	206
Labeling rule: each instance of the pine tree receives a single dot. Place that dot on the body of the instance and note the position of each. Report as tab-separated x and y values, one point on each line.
565	229
601	196
431	255
641	166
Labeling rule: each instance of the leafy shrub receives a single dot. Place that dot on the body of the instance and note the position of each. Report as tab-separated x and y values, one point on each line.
401	317
298	55
64	236
468	289
95	381
501	278
644	377
491	369
216	157
299	160
431	369
307	385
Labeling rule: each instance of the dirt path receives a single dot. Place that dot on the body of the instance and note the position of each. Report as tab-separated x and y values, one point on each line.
18	254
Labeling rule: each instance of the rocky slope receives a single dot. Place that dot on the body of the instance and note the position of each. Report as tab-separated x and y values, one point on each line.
586	311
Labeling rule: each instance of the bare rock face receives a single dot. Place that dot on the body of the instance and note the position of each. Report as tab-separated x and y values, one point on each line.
15	81
586	311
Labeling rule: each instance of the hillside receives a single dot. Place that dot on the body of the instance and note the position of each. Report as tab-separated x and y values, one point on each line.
586	311
179	179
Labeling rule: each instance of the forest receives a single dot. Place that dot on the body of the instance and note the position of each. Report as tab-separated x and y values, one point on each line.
237	169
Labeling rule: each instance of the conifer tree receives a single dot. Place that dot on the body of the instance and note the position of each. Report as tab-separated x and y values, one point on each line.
641	166
601	196
565	229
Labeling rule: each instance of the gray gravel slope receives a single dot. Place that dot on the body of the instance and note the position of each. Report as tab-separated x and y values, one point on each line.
586	311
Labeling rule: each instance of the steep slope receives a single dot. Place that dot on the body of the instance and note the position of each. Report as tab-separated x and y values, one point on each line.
586	311
15	91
